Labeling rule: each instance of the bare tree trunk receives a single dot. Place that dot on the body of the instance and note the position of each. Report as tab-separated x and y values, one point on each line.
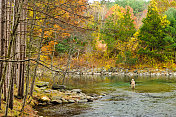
10	93
68	64
2	34
12	39
12	78
2	40
39	52
52	57
29	56
11	88
21	77
36	65
16	17
6	46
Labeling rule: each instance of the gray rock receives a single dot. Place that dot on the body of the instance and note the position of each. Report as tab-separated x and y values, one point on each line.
100	96
110	73
76	97
42	84
111	69
140	74
82	101
174	73
68	93
97	73
77	90
126	70
61	90
115	73
104	94
170	73
56	98
120	70
64	100
42	104
158	74
54	91
71	101
56	101
90	99
79	73
90	73
99	69
47	91
44	99
56	86
123	73
105	73
42	88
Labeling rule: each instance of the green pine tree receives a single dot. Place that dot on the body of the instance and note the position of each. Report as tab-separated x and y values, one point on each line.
152	34
171	30
118	27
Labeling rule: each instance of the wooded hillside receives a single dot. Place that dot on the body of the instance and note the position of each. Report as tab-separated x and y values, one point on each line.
38	36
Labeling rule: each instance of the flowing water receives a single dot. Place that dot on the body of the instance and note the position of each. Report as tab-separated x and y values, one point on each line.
152	97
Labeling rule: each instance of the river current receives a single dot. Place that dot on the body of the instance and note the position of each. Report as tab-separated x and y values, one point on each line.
152	97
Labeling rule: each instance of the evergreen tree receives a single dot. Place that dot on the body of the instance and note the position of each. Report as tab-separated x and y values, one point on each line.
171	30
137	5
118	28
152	34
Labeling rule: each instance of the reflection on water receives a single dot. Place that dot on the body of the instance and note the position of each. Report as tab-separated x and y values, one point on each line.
152	97
96	84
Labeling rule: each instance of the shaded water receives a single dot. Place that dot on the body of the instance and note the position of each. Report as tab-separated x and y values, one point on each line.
153	97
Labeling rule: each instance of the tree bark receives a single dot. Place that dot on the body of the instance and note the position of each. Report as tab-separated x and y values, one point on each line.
29	56
2	40
12	39
39	51
68	64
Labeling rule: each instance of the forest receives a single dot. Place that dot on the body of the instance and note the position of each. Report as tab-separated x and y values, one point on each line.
46	40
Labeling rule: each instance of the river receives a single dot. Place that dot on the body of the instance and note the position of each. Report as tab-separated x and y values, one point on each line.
152	97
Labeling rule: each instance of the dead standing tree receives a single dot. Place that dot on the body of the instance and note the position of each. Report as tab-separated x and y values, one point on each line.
2	40
11	11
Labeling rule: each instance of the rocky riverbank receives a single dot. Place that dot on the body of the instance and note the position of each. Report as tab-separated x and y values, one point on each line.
124	71
59	94
152	96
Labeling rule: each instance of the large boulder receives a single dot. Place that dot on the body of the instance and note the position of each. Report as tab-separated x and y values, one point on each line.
83	101
56	100
64	100
56	86
44	99
42	84
90	99
47	91
77	90
71	101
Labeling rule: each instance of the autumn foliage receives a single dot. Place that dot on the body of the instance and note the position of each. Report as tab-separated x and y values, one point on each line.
116	30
